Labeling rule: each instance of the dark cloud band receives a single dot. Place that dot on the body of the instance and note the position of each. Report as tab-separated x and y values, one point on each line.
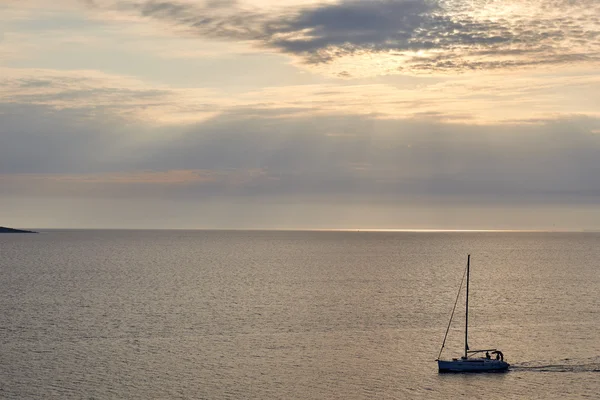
427	35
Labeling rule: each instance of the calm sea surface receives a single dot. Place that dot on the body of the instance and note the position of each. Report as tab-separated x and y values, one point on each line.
294	315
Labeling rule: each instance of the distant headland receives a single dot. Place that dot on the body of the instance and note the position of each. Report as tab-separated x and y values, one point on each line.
10	230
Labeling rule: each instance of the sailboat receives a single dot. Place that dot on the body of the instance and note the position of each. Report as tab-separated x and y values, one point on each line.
486	360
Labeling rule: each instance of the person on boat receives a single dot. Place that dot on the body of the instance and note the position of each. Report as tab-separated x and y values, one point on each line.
497	356
487	355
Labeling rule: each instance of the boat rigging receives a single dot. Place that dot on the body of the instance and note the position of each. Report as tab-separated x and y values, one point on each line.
469	363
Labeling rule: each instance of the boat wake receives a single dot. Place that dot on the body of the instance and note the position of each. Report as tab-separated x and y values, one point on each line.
565	365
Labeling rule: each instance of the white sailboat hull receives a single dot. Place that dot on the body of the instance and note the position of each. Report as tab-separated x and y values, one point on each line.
472	365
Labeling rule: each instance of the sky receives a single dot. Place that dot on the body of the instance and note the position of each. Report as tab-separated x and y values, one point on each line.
301	114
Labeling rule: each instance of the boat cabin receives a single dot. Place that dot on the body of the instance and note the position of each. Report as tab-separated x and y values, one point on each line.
489	354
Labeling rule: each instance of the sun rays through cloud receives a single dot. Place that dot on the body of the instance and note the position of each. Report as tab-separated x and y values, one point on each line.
383	110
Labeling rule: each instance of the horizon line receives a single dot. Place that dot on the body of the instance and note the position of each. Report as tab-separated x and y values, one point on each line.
383	230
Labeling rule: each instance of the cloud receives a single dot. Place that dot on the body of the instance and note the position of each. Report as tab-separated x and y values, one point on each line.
85	96
89	94
409	36
79	136
250	155
141	177
399	158
98	130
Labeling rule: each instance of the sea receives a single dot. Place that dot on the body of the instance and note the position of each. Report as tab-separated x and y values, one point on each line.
125	314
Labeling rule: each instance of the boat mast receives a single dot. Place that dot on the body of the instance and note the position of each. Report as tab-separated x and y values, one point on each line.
467	308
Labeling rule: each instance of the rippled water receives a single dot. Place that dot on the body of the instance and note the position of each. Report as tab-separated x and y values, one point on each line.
294	315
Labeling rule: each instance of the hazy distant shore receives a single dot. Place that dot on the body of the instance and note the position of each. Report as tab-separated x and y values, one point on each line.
11	230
